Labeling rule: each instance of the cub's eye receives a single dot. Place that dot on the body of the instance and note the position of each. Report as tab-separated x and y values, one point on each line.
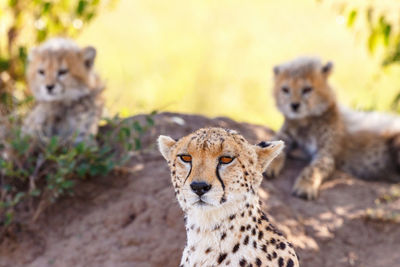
186	158
285	90
62	72
307	90
41	72
225	160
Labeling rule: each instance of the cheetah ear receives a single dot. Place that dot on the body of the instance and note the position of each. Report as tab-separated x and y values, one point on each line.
165	144
266	152
327	68
89	54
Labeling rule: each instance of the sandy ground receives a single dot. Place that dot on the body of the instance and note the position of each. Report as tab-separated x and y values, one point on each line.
132	218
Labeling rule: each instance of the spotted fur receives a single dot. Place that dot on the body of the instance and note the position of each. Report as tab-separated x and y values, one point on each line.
315	124
67	91
225	226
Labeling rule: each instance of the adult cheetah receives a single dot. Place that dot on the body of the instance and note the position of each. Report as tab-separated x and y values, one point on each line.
216	174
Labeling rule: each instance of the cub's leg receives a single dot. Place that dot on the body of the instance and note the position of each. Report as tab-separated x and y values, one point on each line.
34	122
86	124
310	179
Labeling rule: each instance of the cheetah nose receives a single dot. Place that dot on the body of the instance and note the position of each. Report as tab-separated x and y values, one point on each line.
50	87
200	188
295	106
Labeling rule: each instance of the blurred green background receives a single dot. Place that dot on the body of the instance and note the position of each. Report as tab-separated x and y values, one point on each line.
215	57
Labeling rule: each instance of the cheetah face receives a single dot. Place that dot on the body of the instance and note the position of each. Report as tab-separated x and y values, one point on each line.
59	70
214	167
301	89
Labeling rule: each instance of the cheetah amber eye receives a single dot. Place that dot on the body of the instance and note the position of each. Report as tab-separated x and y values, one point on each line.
186	158
62	72
41	72
225	160
307	90
285	90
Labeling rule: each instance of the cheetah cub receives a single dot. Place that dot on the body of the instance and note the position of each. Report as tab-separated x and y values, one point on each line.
216	174
326	133
67	91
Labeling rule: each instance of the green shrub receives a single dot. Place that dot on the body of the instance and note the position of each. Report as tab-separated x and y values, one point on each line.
40	173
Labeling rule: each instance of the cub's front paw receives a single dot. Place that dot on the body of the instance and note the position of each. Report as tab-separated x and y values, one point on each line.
276	166
305	188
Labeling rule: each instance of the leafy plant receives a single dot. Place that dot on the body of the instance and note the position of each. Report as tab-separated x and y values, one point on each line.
25	23
40	173
379	23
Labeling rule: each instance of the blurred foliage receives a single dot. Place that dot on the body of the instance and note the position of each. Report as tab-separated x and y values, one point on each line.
33	175
25	23
379	22
382	21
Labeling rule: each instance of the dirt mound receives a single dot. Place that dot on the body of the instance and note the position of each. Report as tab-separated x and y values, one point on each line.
133	219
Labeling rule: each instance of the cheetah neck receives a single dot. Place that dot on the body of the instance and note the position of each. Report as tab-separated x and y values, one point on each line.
209	226
242	235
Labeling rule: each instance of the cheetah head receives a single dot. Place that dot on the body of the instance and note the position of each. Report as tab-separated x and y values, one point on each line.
301	87
215	168
60	70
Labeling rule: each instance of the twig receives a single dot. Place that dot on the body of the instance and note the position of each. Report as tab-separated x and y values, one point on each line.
32	178
39	210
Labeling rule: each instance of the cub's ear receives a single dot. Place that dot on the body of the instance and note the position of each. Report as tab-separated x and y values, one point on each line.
165	144
276	70
32	54
89	55
266	152
327	68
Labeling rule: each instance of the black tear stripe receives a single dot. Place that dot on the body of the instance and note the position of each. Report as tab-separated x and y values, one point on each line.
223	199
219	177
190	171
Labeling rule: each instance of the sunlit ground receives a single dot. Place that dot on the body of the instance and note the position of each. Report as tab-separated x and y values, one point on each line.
216	57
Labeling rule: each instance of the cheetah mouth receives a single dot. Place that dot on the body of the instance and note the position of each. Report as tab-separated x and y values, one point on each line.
201	203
